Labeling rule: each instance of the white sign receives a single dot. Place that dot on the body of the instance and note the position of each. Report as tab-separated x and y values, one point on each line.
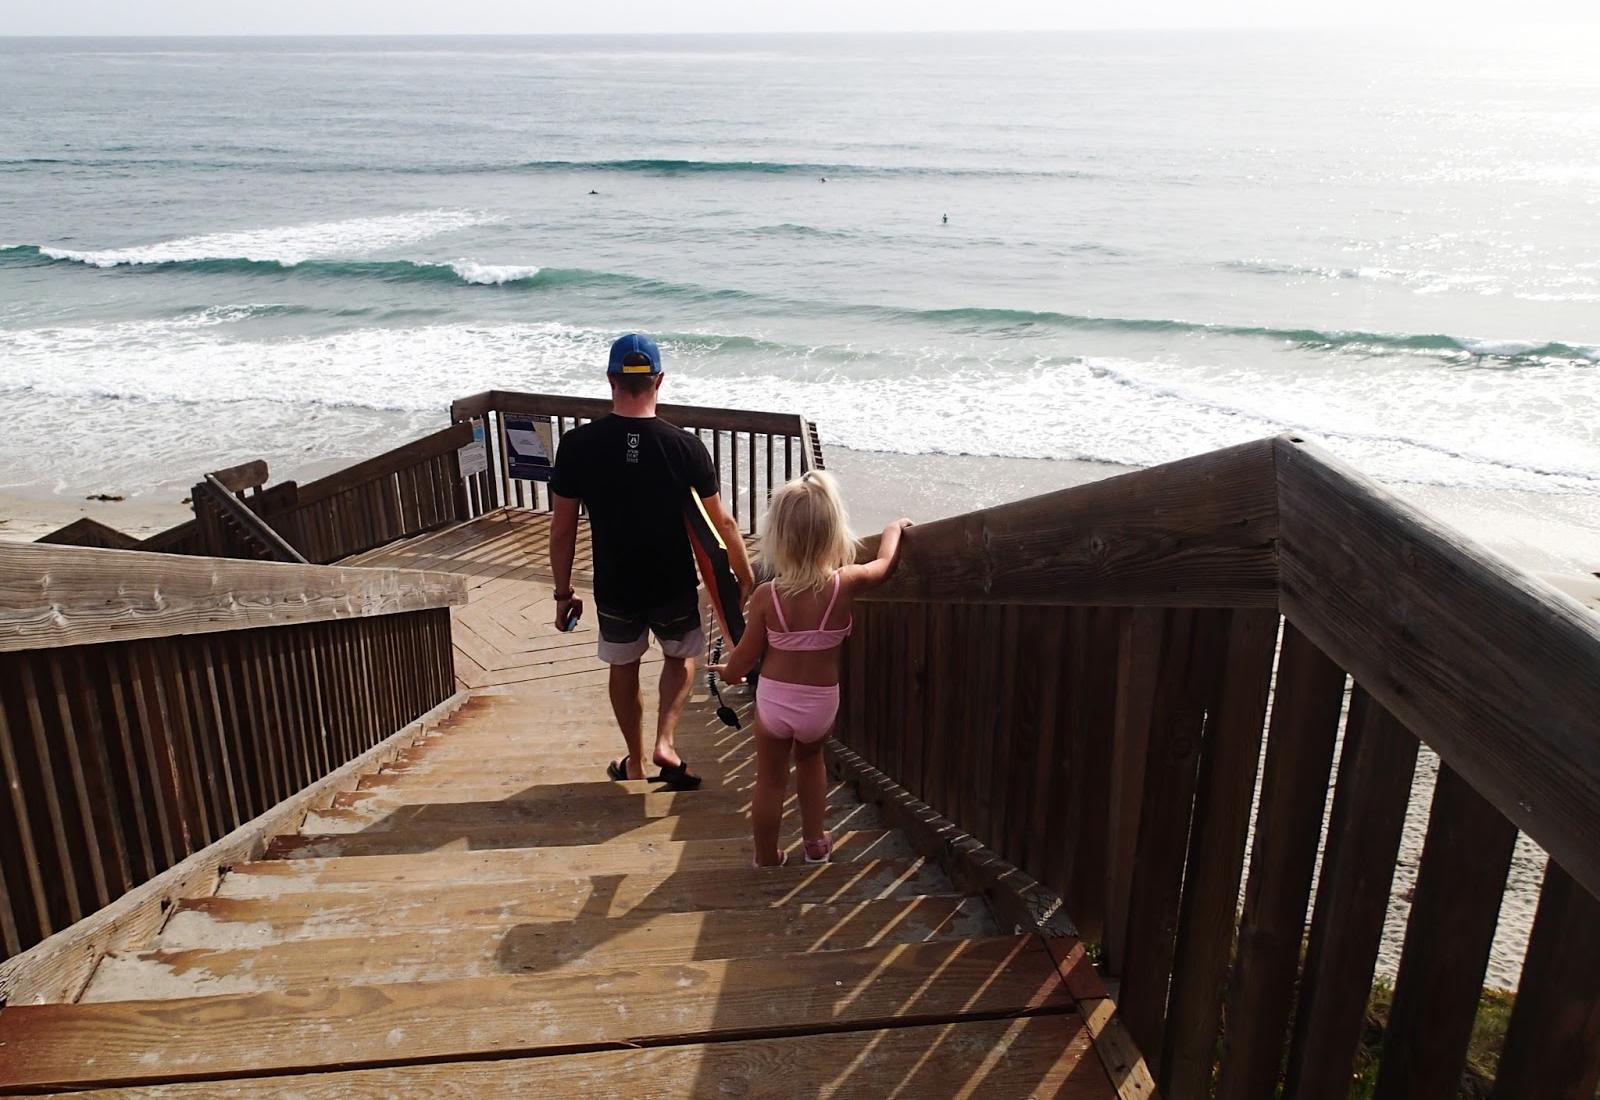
474	457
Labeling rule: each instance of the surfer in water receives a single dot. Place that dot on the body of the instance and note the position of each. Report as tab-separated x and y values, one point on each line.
633	472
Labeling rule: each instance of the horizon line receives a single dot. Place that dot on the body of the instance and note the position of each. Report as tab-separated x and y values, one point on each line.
1591	23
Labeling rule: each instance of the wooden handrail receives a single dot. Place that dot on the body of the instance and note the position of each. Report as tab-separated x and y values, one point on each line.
429	446
1082	682
246	475
1197	533
85	531
1497	672
64	596
685	416
261	539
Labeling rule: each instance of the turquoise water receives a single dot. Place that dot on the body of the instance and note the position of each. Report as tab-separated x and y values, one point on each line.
1156	244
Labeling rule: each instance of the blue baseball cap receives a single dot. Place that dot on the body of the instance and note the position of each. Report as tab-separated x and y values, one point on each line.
634	345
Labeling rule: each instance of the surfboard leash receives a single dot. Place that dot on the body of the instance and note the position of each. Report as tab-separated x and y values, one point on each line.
724	711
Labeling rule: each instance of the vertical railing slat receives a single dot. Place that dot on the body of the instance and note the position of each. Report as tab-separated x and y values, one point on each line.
1376	766
1460	884
1552	1047
1226	784
1300	744
1190	660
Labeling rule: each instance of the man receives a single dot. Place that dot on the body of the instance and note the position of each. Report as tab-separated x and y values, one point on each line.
633	472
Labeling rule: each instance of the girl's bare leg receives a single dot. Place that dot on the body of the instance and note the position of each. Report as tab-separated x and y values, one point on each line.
811	785
766	804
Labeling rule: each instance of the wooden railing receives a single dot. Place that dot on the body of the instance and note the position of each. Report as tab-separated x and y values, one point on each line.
149	704
754	452
407	491
227	528
1083	681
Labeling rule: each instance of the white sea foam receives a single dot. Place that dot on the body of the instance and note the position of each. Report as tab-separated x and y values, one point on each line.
287	245
1530	429
471	271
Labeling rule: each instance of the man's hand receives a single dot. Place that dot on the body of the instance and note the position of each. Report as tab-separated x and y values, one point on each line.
564	608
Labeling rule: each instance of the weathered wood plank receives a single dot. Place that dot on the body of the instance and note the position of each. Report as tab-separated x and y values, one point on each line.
1225	786
1138	652
275	877
246	475
1197	533
1186	683
427	837
540	947
1300	743
1460	884
85	531
1449	638
1552	1047
60	596
1039	1056
1376	766
590	408
57	968
418	451
84	1044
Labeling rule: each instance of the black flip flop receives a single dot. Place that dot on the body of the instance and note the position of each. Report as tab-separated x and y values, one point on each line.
618	770
677	777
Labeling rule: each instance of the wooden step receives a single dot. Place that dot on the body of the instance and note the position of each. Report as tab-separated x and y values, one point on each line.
589	745
352	812
271	877
546	769
536	834
482	784
148	1041
327	914
584	944
1048	1057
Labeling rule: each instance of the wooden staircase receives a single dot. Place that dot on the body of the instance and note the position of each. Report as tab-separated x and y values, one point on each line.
489	912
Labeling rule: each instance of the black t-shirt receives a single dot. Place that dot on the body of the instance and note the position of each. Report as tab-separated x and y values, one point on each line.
634	475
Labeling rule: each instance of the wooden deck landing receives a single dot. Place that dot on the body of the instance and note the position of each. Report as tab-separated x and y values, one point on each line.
489	914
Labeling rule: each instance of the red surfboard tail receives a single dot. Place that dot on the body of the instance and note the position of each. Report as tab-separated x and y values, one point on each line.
716	570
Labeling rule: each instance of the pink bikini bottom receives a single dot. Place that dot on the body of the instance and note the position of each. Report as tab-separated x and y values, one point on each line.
804	712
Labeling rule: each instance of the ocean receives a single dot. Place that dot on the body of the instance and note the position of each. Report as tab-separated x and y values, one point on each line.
1156	245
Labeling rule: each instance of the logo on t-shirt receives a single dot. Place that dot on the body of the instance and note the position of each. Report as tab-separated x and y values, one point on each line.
633	446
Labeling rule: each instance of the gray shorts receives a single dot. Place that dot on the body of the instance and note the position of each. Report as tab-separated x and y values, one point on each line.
625	635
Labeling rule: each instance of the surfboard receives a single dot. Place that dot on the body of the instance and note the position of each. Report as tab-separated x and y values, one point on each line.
716	571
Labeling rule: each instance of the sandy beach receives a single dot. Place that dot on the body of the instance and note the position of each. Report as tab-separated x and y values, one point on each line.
1555	537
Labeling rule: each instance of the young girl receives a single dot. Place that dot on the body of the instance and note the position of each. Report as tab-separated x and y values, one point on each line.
797	621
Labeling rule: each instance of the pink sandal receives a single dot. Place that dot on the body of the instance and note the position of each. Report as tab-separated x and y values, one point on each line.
783	861
819	851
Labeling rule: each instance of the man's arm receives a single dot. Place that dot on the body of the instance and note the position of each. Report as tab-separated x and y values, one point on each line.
733	539
563	548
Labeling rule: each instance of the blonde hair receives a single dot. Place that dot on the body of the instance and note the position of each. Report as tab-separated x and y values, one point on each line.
808	534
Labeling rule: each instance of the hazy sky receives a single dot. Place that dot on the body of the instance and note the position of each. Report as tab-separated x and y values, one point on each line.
114	17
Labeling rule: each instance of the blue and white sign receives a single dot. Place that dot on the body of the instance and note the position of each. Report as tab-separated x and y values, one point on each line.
529	447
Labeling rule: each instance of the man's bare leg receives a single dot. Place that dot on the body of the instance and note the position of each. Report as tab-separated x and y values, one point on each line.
628	706
676	673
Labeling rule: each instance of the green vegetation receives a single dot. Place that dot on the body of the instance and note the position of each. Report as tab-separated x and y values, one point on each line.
1483	1055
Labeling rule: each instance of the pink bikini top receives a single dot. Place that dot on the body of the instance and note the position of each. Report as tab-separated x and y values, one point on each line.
807	641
